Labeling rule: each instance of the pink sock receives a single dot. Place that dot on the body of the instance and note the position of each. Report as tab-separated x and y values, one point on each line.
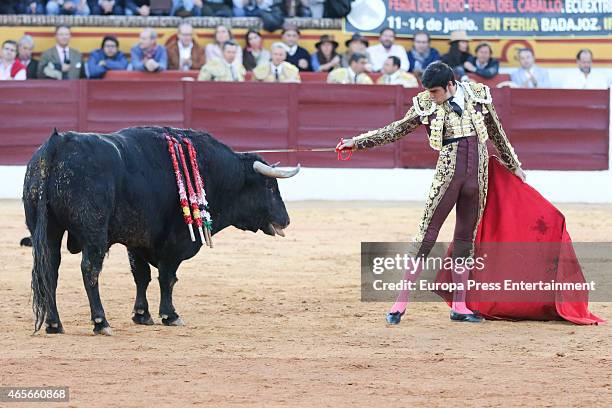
459	304
401	303
460	307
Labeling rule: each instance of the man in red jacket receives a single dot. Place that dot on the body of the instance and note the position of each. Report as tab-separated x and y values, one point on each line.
10	67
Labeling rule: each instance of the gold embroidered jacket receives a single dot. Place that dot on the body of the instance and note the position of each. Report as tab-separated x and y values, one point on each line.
479	116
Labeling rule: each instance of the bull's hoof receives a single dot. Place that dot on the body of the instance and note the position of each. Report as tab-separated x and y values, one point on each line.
105	331
27	242
142	317
54	328
102	327
172	320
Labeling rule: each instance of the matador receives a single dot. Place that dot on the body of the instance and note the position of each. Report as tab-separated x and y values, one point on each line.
459	118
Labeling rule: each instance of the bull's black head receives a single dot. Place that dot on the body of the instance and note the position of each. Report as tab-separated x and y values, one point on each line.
259	205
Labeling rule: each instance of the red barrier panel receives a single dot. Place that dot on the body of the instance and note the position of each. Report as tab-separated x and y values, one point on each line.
550	129
28	112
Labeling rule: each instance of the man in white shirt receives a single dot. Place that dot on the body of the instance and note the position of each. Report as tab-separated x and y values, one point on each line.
277	70
584	77
10	67
184	53
386	48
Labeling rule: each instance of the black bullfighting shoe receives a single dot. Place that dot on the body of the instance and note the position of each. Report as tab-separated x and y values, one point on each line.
395	317
460	317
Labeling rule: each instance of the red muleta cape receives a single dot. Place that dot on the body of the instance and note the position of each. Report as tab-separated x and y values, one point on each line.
516	213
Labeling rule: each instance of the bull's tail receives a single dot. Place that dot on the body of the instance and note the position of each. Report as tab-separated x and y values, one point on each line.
42	271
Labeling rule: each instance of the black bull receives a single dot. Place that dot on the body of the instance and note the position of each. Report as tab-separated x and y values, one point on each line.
121	188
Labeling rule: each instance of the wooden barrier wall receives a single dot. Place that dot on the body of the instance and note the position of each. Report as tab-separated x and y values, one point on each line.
550	129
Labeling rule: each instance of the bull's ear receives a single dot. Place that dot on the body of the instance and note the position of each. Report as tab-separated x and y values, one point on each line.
55	132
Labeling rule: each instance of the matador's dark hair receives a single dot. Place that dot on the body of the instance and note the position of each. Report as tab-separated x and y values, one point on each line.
437	74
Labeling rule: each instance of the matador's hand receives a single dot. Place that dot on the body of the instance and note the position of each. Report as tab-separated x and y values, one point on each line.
345	144
520	174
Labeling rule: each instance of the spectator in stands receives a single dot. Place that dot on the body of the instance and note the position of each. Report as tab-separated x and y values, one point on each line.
137	8
107	7
250	8
386	48
214	51
584	77
393	75
458	53
106	58
354	74
186	8
25	46
217	8
8	7
297	55
147	55
254	53
183	52
269	11
30	7
529	75
483	64
61	61
68	7
356	45
311	8
10	67
223	69
277	70
421	54
326	58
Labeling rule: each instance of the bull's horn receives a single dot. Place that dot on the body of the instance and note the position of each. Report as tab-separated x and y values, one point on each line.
269	171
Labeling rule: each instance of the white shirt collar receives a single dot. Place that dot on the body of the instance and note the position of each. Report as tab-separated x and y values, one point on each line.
459	97
293	49
182	47
60	51
352	74
278	67
185	53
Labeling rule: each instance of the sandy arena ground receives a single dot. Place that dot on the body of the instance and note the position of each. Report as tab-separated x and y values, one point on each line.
278	322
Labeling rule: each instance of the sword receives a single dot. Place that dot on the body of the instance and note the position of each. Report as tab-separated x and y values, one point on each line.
295	150
340	153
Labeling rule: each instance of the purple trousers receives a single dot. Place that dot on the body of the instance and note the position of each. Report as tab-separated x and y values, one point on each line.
463	191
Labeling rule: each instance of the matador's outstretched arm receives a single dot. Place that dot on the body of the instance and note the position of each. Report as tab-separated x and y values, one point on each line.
389	133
